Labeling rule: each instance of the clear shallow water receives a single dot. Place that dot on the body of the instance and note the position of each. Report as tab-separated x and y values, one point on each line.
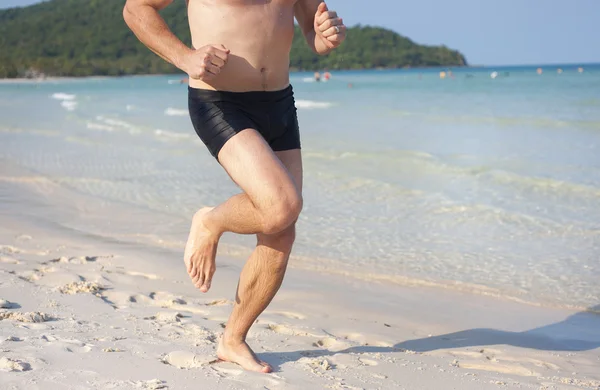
485	185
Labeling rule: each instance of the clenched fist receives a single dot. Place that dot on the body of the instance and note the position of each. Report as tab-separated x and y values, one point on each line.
206	62
329	27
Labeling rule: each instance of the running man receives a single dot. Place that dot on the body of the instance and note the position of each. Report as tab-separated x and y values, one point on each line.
242	106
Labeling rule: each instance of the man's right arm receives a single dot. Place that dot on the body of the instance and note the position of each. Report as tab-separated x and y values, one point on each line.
149	27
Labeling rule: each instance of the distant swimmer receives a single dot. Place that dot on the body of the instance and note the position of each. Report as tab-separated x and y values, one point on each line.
559	71
540	71
580	70
241	105
184	80
326	76
317	76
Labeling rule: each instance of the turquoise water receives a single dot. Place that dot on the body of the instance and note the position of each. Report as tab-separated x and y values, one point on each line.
488	185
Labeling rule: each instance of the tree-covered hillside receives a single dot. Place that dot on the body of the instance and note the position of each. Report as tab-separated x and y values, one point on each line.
89	37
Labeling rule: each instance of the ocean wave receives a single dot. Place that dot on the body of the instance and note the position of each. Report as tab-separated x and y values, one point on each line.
63	96
543	185
310	104
99	126
117	125
114	122
175	112
417	162
69	105
171	135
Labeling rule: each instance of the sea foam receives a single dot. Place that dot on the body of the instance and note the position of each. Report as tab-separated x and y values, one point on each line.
175	112
310	104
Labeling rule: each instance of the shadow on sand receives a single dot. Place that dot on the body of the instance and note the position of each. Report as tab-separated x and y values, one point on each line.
578	332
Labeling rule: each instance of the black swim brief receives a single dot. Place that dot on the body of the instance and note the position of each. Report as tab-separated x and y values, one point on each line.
219	115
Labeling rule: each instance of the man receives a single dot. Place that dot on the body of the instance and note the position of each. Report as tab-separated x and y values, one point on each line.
242	107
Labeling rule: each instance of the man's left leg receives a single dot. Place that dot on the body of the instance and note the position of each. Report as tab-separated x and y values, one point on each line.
259	281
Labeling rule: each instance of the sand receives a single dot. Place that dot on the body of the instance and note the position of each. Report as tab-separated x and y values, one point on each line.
82	310
77	312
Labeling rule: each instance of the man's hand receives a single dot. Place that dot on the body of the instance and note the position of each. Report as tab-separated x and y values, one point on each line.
206	62
328	27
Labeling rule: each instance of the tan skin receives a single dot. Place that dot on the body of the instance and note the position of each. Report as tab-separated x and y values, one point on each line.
243	45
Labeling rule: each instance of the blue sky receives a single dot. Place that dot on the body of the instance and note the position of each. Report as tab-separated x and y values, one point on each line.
506	32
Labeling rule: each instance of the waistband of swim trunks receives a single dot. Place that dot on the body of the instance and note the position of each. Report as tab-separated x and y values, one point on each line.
249	96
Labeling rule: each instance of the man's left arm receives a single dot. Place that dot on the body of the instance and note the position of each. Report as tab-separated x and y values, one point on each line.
322	28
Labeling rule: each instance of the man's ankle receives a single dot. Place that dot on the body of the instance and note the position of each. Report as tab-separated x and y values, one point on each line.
208	223
233	340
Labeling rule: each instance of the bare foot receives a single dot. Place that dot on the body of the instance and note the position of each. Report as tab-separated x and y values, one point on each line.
200	252
240	353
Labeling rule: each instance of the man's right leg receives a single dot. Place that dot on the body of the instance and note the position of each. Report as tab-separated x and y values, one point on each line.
269	204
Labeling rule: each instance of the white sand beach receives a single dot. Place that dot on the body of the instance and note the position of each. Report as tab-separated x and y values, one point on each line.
86	311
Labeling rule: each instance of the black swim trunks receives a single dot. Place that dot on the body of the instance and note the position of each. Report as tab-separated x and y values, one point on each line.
219	115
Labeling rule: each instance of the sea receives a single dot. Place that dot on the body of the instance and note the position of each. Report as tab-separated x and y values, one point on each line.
482	180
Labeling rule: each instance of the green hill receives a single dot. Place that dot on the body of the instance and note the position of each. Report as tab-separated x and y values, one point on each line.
89	37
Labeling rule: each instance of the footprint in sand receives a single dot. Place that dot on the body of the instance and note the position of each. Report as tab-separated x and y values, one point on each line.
71	260
153	384
23	238
13	365
166	317
32	317
8	249
317	363
4	304
489	360
187	360
81	287
166	299
143	275
124	299
135	274
291	331
289	314
9	260
363	340
331	343
69	345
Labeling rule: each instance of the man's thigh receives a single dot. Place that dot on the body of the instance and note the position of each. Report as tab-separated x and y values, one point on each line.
292	161
261	173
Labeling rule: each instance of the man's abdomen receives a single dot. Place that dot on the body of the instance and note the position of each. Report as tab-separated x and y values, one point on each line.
259	38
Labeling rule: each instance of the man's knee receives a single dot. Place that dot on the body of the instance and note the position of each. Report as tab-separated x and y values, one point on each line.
282	214
282	241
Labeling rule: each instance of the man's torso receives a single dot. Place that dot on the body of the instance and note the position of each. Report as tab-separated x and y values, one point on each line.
259	35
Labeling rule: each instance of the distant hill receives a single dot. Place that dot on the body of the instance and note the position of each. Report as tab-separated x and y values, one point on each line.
89	37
